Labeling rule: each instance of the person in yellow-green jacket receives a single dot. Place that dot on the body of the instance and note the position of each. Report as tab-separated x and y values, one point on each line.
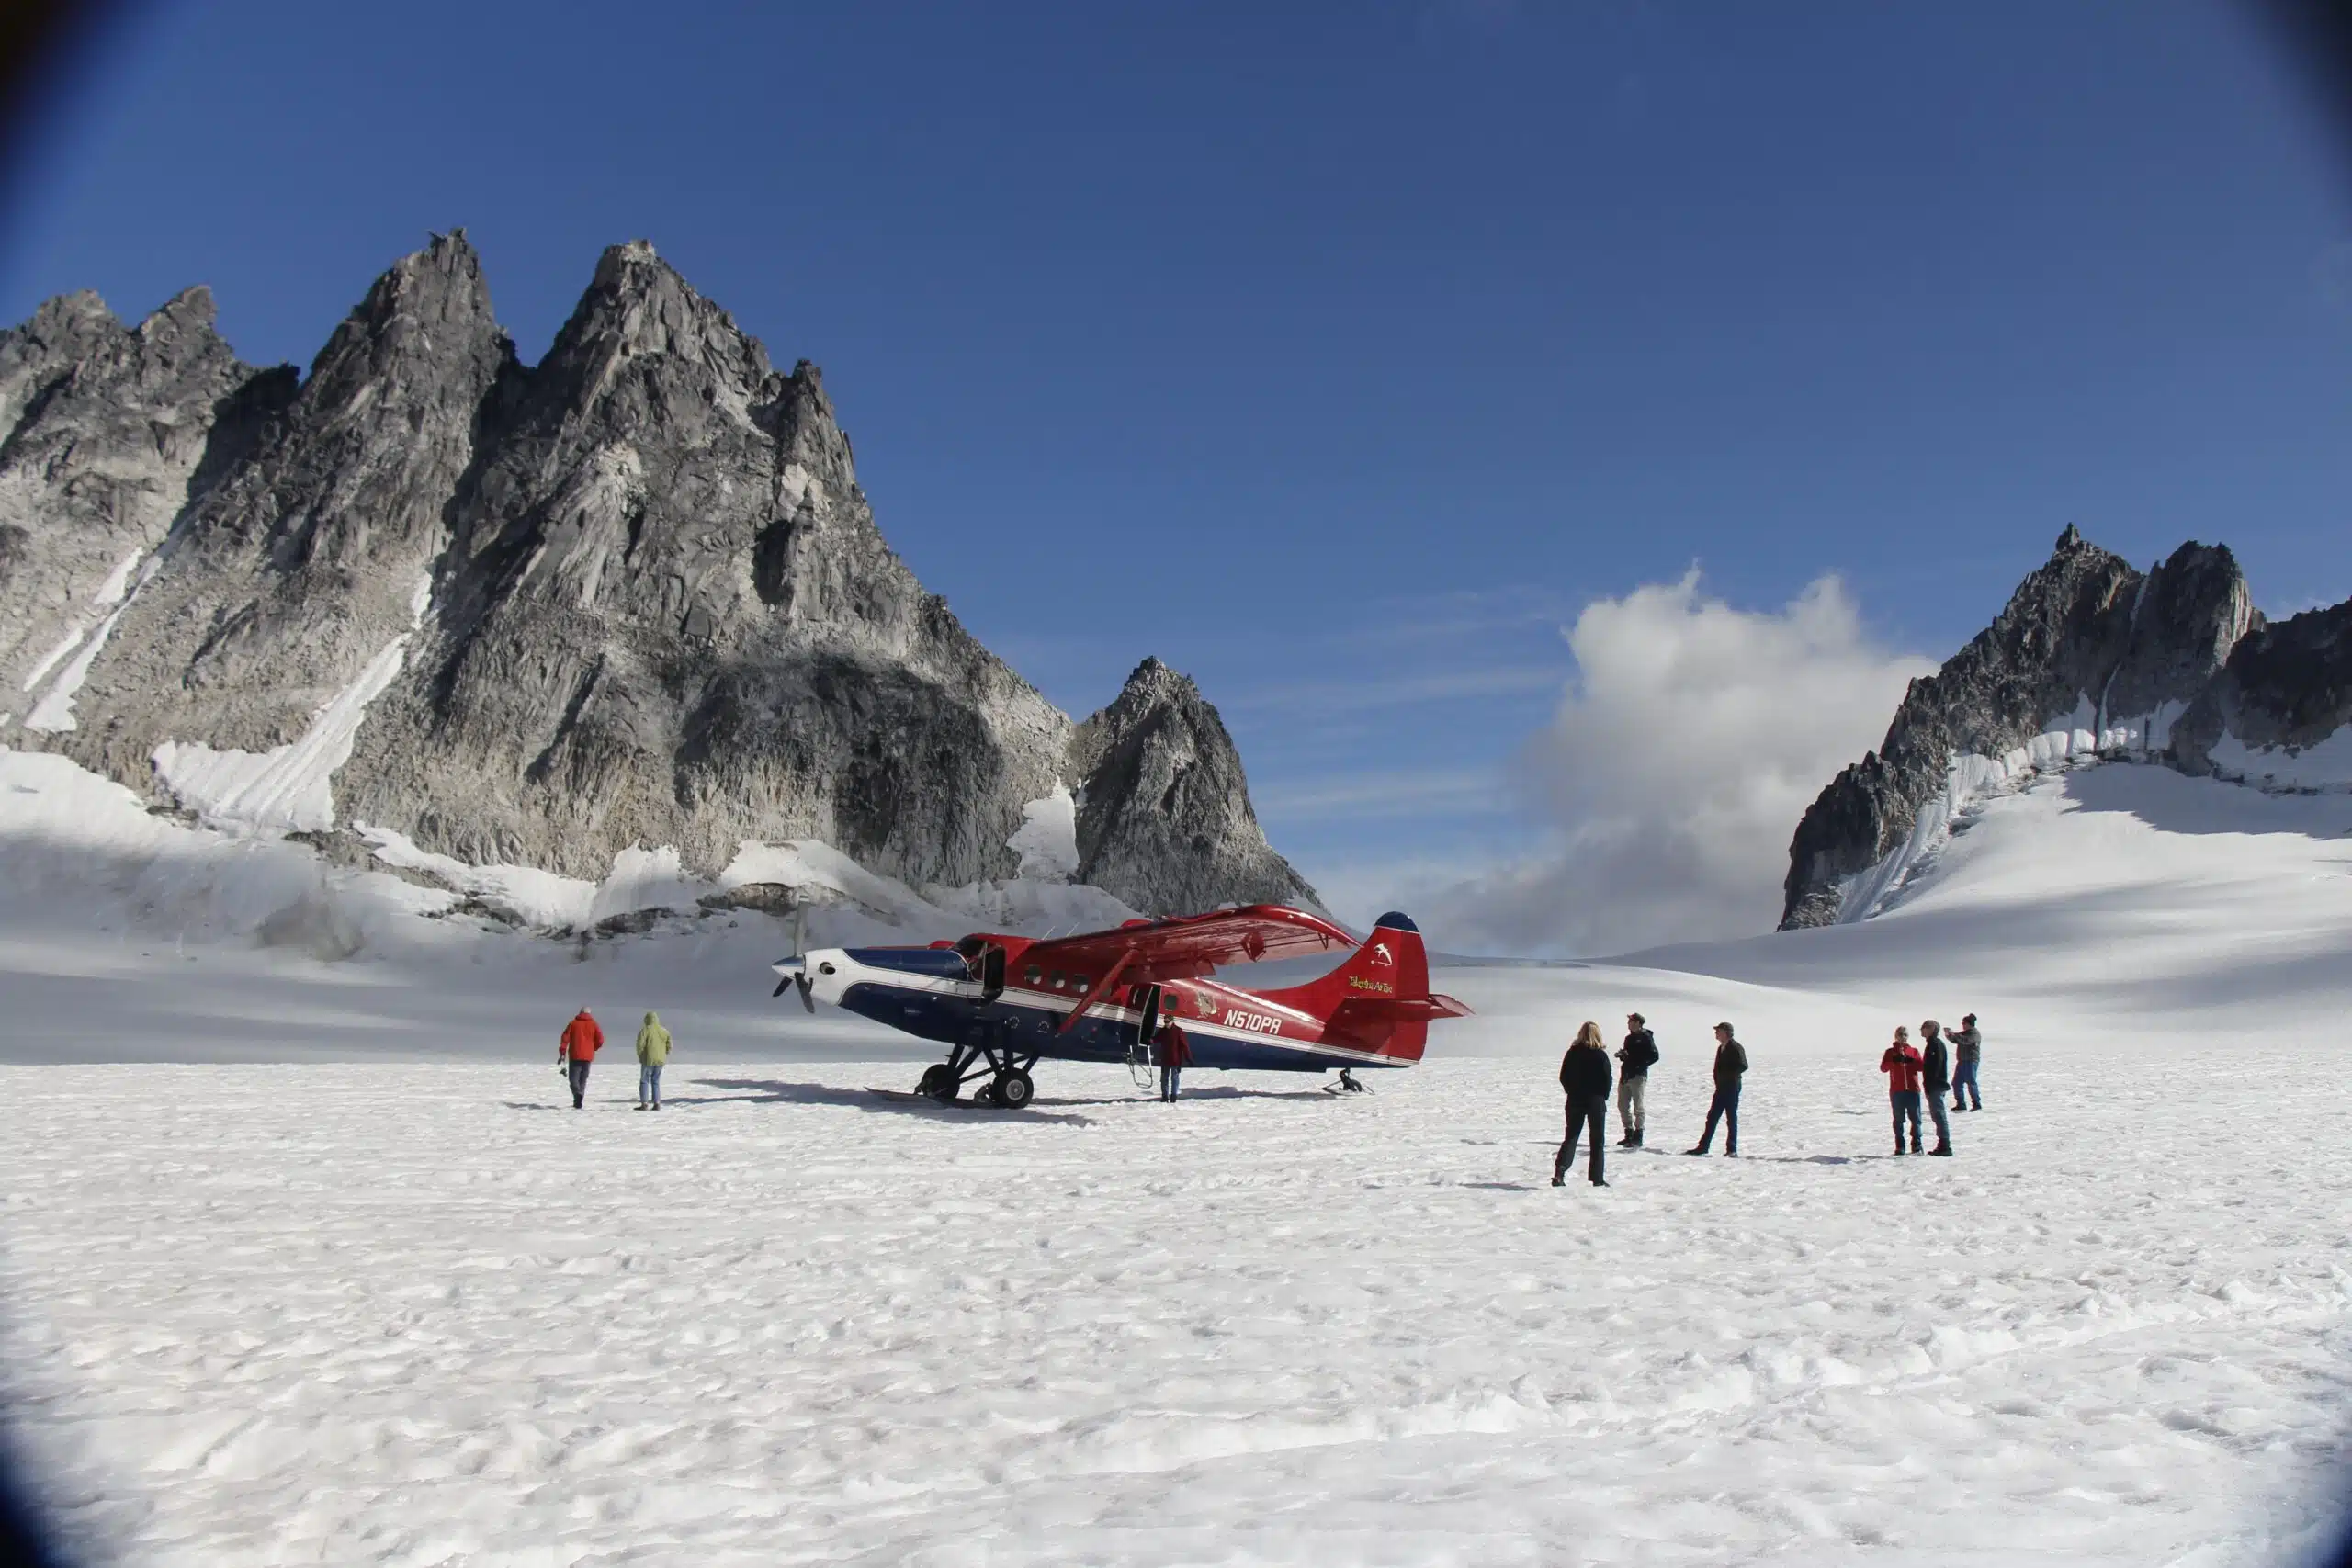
652	1051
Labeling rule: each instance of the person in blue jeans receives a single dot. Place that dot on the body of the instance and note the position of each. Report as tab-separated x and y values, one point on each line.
1967	1050
1731	1067
652	1055
1175	1056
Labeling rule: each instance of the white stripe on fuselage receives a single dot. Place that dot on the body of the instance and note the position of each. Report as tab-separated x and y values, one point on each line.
848	971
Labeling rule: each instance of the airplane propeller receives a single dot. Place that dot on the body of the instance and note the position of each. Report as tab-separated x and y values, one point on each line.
795	969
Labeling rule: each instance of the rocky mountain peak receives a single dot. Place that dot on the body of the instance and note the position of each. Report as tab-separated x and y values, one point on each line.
105	431
629	596
1164	817
638	305
189	313
2089	654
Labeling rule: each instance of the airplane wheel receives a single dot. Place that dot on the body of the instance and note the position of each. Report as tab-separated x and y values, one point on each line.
937	1082
1013	1089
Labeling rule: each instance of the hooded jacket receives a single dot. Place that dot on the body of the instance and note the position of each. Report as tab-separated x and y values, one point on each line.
1967	1046
652	1043
582	1039
1639	1054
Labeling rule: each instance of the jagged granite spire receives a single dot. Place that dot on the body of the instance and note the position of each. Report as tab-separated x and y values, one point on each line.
631	595
107	430
302	565
2086	641
669	619
1164	819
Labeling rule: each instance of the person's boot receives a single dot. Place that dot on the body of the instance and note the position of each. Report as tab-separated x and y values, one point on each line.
1598	1183
1698	1150
1637	1137
1916	1149
1558	1180
1941	1149
1898	1142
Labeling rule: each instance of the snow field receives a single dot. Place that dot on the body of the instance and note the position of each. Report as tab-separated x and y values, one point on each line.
428	1314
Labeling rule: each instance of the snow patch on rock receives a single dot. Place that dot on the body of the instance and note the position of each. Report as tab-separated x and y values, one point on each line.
1047	839
54	713
2074	740
290	787
2325	766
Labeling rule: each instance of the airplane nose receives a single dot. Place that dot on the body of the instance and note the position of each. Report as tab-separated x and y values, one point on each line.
827	976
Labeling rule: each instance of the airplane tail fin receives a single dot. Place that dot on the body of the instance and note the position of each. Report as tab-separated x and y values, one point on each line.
1379	1000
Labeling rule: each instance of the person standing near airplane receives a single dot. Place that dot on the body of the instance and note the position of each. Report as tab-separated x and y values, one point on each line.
1935	1071
1584	1075
1634	1060
582	1040
1901	1067
1968	1049
1175	1056
1731	1067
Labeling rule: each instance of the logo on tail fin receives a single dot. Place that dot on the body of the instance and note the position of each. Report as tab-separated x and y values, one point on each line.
1382	956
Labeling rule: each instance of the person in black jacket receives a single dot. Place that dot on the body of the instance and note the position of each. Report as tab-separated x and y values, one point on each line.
1584	1074
1634	1060
1731	1066
1935	1065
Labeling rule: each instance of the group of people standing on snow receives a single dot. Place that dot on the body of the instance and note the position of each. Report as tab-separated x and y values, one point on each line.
1937	1070
1585	1077
1932	1071
583	1038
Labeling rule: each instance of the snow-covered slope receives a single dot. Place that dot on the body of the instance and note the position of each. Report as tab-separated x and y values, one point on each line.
410	1307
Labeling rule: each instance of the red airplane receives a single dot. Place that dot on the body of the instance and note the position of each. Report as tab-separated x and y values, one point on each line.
1000	1003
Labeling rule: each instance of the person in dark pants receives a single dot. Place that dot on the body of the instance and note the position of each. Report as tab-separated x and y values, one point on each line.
1635	1059
1731	1067
1935	1070
1175	1056
1584	1074
1967	1050
1901	1067
582	1040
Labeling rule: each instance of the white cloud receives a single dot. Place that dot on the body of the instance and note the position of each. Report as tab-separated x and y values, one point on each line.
1693	737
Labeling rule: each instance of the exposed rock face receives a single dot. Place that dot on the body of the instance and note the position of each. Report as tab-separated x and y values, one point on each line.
106	428
2087	646
300	566
1164	821
2287	684
631	595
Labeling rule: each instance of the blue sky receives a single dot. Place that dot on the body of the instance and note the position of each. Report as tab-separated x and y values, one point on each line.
1340	354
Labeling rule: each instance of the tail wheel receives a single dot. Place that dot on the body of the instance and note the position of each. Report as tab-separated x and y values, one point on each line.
937	1082
1013	1089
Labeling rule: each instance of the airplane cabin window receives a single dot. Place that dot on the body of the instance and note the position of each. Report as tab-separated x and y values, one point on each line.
1033	975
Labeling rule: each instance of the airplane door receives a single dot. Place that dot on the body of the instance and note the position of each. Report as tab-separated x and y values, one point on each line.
991	974
1149	1025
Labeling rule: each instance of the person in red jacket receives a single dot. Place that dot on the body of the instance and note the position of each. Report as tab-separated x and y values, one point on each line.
582	1040
1175	1056
1902	1066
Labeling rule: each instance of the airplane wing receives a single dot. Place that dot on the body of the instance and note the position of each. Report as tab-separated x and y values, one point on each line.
1190	945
